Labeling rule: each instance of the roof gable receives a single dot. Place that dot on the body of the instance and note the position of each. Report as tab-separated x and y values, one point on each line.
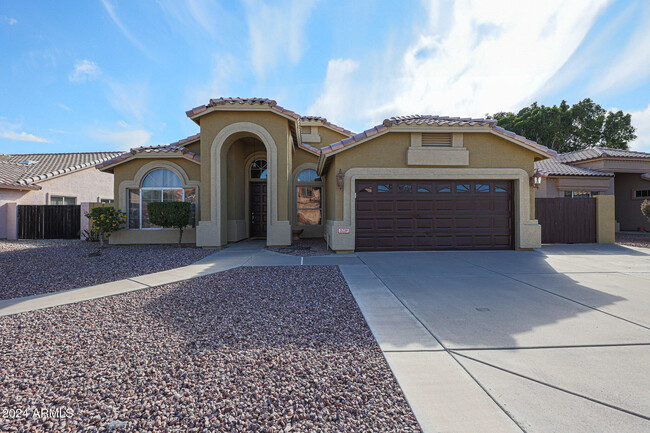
176	148
421	123
248	104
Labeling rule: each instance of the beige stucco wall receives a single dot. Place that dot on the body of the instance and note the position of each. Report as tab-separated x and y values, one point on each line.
327	137
303	157
87	185
158	236
489	157
194	147
628	209
605	222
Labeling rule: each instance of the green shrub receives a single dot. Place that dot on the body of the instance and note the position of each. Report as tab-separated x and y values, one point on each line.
106	219
645	208
170	214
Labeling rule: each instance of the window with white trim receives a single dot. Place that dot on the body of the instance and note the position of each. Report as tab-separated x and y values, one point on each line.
158	185
309	203
576	194
61	200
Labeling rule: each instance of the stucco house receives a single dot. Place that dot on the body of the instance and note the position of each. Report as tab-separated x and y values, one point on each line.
51	178
256	169
601	171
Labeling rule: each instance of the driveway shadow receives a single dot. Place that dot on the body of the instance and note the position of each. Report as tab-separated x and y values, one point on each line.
484	299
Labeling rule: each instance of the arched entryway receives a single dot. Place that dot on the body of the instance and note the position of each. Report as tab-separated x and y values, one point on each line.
234	182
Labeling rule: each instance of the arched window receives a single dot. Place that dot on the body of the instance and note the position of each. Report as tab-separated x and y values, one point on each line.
258	169
161	178
307	176
309	202
160	184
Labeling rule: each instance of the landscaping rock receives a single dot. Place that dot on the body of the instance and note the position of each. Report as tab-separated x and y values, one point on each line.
264	349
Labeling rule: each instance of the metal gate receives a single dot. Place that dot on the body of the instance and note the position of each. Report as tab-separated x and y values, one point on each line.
49	221
567	220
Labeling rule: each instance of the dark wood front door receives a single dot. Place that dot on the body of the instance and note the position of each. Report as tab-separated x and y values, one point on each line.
257	210
434	215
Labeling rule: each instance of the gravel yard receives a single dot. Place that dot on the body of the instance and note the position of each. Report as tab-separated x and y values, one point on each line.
35	267
269	349
633	239
305	248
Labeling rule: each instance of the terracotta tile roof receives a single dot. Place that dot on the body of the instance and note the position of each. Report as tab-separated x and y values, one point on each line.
554	167
430	120
419	119
177	146
600	152
273	105
310	149
325	122
15	173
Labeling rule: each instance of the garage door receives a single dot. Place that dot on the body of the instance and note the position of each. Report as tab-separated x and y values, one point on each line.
433	215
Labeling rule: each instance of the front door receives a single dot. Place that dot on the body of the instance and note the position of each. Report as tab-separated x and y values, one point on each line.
257	210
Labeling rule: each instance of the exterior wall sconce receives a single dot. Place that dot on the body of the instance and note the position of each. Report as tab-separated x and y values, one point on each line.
339	179
535	180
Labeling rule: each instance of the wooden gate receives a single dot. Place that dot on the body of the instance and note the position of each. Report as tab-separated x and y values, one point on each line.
567	220
49	221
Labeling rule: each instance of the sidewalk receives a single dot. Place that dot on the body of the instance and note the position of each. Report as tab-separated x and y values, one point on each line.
247	253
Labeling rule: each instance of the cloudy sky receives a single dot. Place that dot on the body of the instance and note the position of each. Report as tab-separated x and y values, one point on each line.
109	74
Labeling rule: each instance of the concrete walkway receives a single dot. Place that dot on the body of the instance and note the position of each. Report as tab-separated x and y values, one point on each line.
247	253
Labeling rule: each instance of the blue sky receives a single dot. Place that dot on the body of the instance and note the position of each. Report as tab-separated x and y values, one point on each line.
110	75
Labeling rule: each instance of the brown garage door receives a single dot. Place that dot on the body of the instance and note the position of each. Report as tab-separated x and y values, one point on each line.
433	215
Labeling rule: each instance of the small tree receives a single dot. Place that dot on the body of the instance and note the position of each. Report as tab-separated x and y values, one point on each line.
170	214
106	219
645	208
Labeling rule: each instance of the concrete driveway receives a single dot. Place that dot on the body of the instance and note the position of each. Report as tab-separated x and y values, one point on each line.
554	340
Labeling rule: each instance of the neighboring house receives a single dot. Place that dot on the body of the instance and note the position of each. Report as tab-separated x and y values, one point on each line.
52	178
599	170
257	170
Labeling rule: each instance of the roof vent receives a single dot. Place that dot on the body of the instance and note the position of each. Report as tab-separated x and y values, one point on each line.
28	162
436	139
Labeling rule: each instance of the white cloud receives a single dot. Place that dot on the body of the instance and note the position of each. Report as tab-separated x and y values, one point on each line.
276	32
65	107
110	8
22	136
641	121
472	57
338	87
84	70
122	139
130	98
8	20
224	72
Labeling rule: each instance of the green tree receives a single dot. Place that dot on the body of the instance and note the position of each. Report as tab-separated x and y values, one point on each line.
567	128
106	219
170	214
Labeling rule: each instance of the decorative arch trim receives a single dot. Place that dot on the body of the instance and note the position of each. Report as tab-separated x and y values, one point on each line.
136	182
